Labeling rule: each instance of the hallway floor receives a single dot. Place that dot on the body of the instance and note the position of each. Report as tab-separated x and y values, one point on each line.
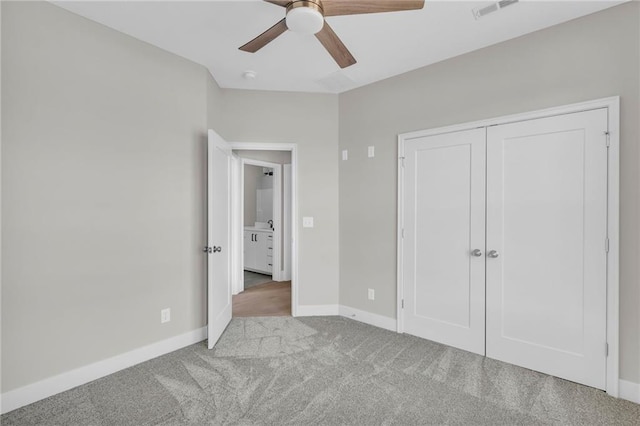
263	300
252	279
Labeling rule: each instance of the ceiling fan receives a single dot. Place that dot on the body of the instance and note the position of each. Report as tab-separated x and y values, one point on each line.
307	17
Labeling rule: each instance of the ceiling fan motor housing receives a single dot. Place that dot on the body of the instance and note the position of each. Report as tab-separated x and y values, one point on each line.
305	16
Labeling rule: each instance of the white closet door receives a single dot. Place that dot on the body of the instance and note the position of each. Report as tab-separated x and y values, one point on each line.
546	221
444	190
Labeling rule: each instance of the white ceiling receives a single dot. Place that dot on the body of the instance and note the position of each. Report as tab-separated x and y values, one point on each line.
384	44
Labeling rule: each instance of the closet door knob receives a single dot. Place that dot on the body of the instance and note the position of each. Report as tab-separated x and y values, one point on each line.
476	253
493	254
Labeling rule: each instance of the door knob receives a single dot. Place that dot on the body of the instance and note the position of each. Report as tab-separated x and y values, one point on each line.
493	254
476	253
217	249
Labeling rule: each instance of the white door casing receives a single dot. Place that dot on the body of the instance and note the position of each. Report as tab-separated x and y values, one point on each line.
237	222
547	220
444	219
286	219
219	303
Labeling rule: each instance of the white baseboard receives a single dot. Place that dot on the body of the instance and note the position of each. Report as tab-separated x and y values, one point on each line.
629	391
45	388
368	318
285	276
316	310
348	312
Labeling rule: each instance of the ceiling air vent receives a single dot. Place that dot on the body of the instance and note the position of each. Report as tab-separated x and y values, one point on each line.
482	11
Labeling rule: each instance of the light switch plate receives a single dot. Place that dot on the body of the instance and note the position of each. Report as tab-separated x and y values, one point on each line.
371	151
165	315
307	222
345	155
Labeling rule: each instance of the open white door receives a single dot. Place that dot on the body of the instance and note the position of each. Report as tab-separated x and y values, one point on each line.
219	237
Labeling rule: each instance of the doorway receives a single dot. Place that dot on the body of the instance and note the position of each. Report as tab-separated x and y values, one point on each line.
262	226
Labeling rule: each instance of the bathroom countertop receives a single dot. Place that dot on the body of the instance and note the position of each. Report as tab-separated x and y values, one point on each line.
254	229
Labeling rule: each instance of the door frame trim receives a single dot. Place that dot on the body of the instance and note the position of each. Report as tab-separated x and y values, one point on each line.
237	232
612	104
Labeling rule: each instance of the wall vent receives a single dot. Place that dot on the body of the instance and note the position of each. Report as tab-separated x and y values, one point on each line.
494	7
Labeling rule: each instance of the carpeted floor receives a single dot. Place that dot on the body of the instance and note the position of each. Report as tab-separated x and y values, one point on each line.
325	371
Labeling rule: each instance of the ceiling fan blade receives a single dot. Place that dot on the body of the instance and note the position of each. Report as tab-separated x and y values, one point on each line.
335	47
265	38
282	3
356	7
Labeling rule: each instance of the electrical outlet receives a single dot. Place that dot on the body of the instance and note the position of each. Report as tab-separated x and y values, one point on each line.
372	294
165	315
307	222
371	151
345	155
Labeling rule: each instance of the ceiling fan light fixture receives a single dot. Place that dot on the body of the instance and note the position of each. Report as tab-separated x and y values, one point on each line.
304	17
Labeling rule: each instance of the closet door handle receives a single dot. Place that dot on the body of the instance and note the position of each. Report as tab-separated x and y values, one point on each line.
493	254
476	253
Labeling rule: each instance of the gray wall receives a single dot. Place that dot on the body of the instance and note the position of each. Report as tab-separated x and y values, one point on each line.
592	57
214	105
102	190
103	167
311	121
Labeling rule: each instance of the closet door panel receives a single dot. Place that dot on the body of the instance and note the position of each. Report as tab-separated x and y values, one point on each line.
546	221
444	223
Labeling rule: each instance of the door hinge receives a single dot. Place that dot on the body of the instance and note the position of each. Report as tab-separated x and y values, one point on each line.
606	245
403	233
402	159
402	303
608	136
606	349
